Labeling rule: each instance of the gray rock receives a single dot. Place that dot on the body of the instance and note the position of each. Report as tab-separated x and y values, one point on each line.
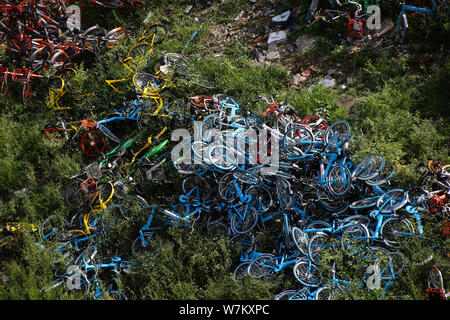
298	79
305	43
273	55
277	37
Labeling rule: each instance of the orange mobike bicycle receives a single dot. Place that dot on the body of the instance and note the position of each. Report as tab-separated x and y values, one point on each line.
92	141
20	76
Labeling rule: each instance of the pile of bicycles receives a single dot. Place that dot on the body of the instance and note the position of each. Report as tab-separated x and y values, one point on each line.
39	36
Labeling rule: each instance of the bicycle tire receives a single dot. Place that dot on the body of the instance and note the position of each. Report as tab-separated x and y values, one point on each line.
339	180
396	233
317	243
434	279
290	295
364	203
262	194
397	198
53	229
301	240
157	31
298	140
151	247
324	293
307	273
354	239
318	130
341	129
262	266
89	141
74	195
139	50
241	270
222	157
247	223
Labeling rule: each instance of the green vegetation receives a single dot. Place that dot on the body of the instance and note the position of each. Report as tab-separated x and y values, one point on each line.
393	107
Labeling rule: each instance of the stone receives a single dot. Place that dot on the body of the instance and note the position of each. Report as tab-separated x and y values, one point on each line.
277	37
260	57
305	43
331	71
273	55
298	79
188	9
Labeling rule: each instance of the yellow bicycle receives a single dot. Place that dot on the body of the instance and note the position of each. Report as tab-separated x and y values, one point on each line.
59	87
10	231
152	35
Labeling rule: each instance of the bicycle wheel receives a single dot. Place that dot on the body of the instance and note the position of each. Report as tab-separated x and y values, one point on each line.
74	195
92	143
317	244
364	203
435	278
103	195
262	266
155	33
53	136
199	188
261	195
301	240
147	243
218	230
396	233
307	273
337	134
146	83
339	180
392	200
354	239
298	140
91	37
244	222
241	270
54	228
245	242
318	125
396	263
383	176
290	295
117	35
133	206
222	157
324	293
209	127
371	168
139	50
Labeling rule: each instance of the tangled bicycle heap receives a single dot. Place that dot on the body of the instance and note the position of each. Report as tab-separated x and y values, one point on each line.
279	172
313	194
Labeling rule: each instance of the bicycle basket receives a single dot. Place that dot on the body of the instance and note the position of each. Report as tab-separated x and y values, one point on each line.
93	171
